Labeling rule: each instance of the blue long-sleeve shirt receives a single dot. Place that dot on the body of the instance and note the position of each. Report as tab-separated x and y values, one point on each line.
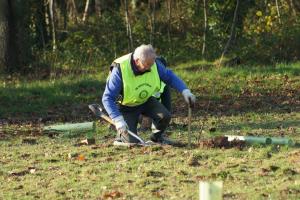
114	86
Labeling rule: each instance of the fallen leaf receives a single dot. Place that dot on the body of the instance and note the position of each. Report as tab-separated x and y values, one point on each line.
81	157
112	195
157	192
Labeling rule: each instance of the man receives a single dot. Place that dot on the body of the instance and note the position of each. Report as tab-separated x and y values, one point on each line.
164	96
133	81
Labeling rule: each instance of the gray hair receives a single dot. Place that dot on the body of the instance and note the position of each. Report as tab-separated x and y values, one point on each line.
144	53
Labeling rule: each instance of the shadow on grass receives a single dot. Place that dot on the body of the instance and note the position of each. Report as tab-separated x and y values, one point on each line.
261	125
263	104
62	100
68	100
231	105
290	69
238	90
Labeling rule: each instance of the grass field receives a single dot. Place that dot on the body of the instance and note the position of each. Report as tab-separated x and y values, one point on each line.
248	100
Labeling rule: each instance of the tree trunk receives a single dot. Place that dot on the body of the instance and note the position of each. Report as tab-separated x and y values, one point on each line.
133	4
128	26
152	8
52	22
169	2
98	8
278	13
10	37
169	7
72	10
40	24
64	13
292	7
86	10
4	34
232	32
296	4
205	28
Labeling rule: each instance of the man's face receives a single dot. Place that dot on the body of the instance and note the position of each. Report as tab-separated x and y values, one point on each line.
142	67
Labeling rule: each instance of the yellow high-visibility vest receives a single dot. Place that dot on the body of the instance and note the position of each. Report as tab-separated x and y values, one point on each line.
137	89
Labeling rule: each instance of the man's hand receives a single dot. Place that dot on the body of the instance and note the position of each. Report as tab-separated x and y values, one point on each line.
188	96
120	124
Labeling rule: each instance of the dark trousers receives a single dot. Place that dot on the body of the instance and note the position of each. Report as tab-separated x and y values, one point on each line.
151	108
166	98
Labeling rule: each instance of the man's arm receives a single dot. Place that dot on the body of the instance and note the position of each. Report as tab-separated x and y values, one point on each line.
111	92
170	78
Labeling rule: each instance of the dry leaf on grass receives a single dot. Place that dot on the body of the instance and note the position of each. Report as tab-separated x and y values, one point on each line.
81	157
112	195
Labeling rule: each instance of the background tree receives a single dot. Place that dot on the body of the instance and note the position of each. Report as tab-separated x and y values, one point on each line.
4	34
72	10
128	26
264	31
205	28
152	9
53	24
86	10
17	44
98	8
232	32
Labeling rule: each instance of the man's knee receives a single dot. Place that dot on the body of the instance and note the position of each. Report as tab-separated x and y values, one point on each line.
164	120
167	117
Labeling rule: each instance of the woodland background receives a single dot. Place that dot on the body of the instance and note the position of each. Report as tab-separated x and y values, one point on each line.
43	36
241	58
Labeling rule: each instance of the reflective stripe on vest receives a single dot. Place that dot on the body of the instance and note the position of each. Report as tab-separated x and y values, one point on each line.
138	89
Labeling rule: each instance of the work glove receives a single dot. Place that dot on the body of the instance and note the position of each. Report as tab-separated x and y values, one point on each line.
120	125
188	96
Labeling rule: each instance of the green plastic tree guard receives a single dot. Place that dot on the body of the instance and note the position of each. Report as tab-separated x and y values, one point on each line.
250	139
282	141
261	140
71	127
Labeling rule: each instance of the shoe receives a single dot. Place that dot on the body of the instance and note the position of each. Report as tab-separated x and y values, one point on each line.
126	138
161	139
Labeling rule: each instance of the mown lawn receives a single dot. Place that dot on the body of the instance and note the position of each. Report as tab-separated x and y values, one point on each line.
262	101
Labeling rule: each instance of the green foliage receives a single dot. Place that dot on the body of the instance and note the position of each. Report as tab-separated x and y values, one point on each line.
264	32
94	44
271	38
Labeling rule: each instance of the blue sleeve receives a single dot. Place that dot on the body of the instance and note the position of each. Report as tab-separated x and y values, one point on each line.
112	90
170	78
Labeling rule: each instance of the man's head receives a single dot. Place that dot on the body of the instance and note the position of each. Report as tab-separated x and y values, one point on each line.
144	57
